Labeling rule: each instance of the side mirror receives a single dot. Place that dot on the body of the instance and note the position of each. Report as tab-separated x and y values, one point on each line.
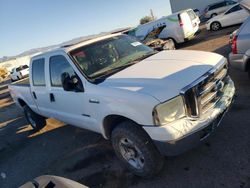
72	83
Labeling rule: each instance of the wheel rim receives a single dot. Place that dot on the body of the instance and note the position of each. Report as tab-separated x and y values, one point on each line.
216	26
32	122
131	153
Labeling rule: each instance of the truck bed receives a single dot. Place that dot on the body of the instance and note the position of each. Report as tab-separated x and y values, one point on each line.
24	82
20	90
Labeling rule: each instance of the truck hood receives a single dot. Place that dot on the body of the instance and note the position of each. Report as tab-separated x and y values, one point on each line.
164	74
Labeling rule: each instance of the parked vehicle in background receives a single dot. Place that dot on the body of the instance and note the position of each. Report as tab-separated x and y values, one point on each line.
218	8
240	56
3	73
19	73
153	41
235	15
148	103
180	27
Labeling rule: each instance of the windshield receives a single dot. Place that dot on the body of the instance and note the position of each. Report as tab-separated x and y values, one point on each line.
108	56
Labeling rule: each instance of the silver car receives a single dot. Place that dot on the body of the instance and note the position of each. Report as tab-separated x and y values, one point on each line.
240	55
218	8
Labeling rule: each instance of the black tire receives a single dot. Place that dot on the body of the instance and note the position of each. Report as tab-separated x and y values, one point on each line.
36	121
152	161
215	26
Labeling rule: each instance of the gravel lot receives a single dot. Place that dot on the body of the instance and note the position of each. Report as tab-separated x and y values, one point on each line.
63	150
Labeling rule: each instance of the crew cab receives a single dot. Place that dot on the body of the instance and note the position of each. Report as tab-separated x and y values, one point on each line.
149	104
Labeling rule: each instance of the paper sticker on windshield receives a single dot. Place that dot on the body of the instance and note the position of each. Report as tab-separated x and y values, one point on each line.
136	44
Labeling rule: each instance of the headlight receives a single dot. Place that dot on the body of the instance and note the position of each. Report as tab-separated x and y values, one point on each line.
169	111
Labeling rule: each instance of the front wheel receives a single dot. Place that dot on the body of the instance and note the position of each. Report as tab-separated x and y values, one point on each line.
136	150
215	26
36	121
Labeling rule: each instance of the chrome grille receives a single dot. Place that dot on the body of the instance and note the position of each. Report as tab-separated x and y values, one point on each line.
205	92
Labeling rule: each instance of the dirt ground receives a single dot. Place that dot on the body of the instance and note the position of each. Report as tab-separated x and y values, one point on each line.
63	150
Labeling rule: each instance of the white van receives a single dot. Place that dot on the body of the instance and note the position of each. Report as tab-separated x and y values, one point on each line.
180	26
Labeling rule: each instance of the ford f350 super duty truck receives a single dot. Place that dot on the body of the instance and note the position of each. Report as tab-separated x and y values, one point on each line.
148	104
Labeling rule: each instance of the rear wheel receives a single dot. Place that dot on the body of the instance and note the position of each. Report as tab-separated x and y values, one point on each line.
215	26
136	150
36	121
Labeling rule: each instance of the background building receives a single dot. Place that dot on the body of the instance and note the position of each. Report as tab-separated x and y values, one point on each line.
177	5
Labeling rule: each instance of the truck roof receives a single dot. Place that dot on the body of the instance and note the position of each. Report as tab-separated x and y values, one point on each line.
84	41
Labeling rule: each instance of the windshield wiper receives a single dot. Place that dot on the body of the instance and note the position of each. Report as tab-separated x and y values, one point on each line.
113	70
145	56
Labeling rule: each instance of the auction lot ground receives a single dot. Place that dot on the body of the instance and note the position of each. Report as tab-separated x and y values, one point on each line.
63	150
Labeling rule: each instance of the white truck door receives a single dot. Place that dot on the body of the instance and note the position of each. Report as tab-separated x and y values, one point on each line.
70	106
39	88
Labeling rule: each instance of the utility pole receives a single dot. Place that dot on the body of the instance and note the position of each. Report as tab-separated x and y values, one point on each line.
152	14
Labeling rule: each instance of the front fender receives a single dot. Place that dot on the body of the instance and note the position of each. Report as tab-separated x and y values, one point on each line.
136	109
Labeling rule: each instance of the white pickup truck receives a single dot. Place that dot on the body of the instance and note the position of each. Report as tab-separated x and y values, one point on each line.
148	104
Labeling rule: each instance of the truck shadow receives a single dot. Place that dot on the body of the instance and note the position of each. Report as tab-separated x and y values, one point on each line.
61	150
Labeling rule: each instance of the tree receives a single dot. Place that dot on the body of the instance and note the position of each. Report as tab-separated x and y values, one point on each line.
146	19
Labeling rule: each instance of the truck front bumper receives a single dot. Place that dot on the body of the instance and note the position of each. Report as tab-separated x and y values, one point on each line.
185	133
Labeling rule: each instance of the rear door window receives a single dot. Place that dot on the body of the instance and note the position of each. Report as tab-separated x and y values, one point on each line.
38	73
234	9
25	66
18	69
219	5
58	65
